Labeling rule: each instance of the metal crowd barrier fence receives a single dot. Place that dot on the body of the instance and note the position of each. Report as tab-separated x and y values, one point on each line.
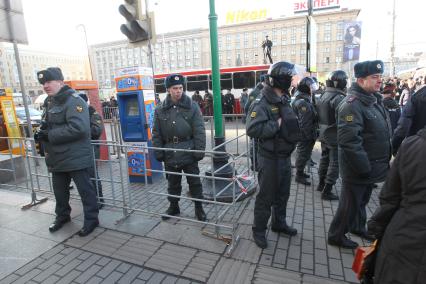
151	199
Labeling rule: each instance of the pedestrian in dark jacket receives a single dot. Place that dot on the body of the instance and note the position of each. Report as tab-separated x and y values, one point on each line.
363	138
400	221
272	121
328	170
228	104
178	124
208	103
68	152
96	129
413	118
196	97
391	106
308	122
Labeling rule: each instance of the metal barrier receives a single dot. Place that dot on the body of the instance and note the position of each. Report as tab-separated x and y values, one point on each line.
146	198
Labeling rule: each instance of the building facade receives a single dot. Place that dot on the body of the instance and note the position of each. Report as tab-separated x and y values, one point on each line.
239	44
73	67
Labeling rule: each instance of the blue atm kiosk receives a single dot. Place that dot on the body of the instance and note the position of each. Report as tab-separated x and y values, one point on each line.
136	104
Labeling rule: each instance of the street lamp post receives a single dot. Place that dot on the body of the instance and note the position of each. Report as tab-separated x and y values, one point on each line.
87	47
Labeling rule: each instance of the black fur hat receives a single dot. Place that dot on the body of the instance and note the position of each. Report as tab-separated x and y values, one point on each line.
367	68
174	79
50	74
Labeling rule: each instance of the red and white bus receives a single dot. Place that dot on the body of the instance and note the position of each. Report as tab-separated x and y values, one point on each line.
234	78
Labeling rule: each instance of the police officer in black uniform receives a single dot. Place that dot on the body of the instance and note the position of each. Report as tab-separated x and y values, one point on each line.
327	104
251	98
178	123
413	117
363	137
308	122
66	141
272	121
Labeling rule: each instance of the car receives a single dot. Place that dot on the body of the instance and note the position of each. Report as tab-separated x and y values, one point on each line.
35	115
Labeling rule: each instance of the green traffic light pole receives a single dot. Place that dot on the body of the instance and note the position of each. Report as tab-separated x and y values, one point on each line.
220	168
217	100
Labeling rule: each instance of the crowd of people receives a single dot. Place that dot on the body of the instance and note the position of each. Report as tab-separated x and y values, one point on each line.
360	128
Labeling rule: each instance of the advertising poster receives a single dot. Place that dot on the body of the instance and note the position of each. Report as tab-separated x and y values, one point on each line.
352	41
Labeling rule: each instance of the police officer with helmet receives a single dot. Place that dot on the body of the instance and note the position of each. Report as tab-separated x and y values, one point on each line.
178	124
272	121
308	121
68	153
327	104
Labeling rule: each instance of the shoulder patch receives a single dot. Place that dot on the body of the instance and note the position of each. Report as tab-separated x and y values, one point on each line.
349	118
275	109
303	108
351	99
79	108
253	114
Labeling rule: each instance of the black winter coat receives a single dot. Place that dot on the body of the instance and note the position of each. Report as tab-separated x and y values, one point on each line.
393	110
400	221
262	123
363	137
327	108
307	115
68	124
179	126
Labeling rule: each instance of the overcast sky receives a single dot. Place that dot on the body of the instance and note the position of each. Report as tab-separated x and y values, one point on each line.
52	24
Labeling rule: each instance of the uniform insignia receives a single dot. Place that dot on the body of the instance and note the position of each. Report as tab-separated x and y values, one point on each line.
349	118
303	109
379	66
253	114
176	78
274	109
351	99
98	121
79	108
40	76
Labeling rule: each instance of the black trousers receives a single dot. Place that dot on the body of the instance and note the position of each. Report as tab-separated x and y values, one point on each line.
303	154
81	178
351	211
274	190
329	164
175	181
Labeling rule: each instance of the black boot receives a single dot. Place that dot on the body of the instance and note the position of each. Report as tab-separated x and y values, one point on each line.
300	178
199	212
321	185
279	224
172	210
259	238
327	194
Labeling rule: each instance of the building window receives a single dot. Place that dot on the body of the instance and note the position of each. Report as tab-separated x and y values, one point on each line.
338	59
326	59
327	37
293	52
339	36
327	27
293	39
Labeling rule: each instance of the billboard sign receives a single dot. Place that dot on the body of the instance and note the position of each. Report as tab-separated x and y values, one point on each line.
352	41
12	27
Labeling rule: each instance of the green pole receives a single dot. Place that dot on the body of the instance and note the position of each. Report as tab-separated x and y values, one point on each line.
217	100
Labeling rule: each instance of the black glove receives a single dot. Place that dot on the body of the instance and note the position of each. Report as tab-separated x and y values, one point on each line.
159	155
198	156
41	135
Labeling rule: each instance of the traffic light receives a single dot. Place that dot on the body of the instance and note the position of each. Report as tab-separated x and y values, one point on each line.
137	28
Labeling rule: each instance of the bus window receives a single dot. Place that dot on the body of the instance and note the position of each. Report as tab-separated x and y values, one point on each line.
225	81
197	83
259	73
244	80
159	86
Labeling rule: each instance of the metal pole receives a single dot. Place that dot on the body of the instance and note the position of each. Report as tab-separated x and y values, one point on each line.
392	69
87	47
217	100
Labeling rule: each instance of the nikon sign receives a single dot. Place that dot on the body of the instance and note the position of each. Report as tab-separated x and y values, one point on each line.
12	27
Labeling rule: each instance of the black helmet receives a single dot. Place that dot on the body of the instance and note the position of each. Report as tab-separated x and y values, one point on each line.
280	75
306	85
337	79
